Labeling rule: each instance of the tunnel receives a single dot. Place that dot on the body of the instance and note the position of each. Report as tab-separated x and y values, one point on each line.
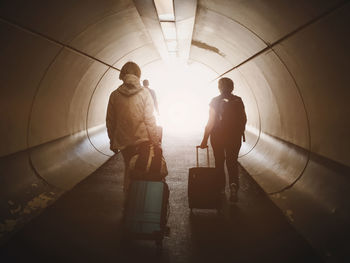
289	60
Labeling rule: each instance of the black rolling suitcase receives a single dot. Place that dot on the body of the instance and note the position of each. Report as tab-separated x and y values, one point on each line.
203	187
146	211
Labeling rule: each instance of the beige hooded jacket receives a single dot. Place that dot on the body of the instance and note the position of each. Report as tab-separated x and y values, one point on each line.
130	119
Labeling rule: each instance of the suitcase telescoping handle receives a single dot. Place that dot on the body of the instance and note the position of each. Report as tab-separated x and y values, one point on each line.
197	147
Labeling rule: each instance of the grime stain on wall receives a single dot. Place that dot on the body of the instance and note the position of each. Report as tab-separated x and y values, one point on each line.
205	46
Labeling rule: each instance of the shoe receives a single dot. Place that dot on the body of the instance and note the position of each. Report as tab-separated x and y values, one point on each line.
233	193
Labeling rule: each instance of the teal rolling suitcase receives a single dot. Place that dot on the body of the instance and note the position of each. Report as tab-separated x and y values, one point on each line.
146	211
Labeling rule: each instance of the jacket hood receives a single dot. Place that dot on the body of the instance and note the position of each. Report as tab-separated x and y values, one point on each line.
130	86
129	90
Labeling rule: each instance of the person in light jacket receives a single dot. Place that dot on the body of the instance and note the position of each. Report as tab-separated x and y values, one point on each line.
130	120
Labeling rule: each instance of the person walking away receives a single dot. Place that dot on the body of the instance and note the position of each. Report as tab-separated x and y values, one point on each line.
155	101
225	127
153	93
130	120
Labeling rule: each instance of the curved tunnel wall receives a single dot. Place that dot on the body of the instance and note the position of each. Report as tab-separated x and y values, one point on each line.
55	77
290	72
301	157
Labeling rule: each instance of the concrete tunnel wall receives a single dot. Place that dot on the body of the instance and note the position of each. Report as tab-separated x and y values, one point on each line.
289	61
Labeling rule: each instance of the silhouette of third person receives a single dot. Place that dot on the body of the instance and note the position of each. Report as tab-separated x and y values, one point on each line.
153	93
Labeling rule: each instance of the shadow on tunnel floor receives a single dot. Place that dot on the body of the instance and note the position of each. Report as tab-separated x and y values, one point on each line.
84	225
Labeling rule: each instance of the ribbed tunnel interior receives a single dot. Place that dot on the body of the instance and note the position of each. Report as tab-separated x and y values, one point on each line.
289	60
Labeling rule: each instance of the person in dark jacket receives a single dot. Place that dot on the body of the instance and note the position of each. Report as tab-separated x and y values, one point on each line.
225	128
155	103
153	93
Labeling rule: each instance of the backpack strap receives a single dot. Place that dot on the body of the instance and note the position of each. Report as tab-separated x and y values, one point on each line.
156	160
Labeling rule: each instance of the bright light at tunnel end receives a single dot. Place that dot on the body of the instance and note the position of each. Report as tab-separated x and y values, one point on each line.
183	94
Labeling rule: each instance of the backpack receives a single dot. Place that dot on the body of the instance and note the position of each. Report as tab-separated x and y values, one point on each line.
232	117
148	164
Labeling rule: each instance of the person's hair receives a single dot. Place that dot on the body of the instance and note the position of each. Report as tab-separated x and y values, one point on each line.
225	85
145	83
130	68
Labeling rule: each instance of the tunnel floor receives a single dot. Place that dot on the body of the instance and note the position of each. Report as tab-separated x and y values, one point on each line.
84	225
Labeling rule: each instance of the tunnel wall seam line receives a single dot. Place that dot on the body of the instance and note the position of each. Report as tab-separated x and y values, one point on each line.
94	23
293	32
236	21
128	53
257	106
150	62
29	30
308	127
31	113
200	62
87	114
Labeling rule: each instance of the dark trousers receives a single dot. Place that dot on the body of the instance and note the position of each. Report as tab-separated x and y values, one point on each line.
226	151
127	153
